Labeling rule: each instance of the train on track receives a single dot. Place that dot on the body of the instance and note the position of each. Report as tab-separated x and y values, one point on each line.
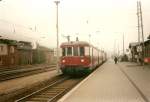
80	58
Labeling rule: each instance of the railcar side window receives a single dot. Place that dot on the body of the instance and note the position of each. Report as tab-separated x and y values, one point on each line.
146	51
82	51
149	50
75	51
87	51
69	51
63	52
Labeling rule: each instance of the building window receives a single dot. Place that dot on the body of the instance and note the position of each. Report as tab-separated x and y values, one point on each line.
87	51
12	60
1	61
12	49
1	48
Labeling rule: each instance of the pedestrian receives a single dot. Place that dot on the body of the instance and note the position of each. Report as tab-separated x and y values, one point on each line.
115	59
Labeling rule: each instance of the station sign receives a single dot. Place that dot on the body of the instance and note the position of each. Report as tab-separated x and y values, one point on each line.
139	48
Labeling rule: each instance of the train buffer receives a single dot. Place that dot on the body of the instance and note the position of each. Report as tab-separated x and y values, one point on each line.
122	82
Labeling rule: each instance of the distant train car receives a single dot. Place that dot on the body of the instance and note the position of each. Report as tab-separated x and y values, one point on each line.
147	52
79	57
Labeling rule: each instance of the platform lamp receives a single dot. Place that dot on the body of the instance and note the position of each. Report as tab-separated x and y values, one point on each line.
58	69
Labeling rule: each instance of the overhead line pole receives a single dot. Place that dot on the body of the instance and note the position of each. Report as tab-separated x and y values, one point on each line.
138	22
143	47
140	28
58	69
123	44
141	22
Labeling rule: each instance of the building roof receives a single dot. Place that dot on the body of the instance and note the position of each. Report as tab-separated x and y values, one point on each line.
8	42
147	42
133	44
75	43
22	45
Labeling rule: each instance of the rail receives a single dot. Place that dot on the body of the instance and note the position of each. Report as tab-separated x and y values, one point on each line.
11	74
51	92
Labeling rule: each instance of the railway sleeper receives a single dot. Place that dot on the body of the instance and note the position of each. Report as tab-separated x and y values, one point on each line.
48	94
59	88
40	99
52	91
44	96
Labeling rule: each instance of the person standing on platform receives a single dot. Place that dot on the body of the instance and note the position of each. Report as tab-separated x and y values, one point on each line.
116	60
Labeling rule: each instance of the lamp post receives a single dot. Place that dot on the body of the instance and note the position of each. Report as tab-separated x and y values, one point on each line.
57	2
115	47
123	44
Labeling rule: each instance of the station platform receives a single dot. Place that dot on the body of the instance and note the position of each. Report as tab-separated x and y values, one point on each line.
122	82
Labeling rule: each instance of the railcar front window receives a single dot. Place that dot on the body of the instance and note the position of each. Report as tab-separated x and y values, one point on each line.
87	51
148	51
63	52
75	51
82	51
69	51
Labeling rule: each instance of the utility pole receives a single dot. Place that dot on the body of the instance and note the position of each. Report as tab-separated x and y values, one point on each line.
143	47
87	22
138	22
118	49
58	69
123	44
141	22
115	47
140	29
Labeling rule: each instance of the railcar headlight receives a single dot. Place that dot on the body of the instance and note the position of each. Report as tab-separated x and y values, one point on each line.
63	61
146	60
82	60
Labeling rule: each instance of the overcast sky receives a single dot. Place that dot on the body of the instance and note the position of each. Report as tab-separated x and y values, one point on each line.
107	20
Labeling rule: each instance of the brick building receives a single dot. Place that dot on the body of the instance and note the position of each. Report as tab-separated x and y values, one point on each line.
14	53
8	52
24	52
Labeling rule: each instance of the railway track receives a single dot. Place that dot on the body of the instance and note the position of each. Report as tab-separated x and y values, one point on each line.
52	92
12	74
4	69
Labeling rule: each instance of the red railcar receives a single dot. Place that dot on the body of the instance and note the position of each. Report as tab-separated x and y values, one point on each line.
80	57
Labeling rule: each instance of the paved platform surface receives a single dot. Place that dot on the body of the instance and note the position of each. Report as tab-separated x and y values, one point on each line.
140	75
109	84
